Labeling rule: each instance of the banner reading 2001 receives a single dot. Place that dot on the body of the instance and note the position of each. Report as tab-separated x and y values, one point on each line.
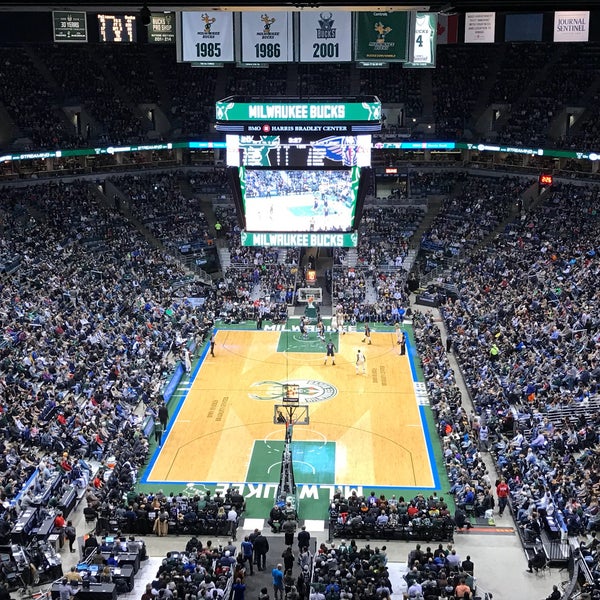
382	36
267	36
325	36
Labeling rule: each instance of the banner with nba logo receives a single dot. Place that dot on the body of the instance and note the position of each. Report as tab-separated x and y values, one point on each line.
267	36
325	36
382	36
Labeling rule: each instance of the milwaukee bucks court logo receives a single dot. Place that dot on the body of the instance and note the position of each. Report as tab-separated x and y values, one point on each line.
309	390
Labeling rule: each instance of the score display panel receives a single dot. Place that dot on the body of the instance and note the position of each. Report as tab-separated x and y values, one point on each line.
298	151
299	200
117	28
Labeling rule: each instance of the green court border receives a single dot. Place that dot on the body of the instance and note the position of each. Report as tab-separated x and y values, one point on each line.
313	508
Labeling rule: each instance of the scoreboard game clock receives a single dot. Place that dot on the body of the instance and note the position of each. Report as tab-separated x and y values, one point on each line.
117	28
207	37
325	36
267	37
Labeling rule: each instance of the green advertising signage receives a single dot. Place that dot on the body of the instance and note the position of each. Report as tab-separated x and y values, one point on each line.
304	240
161	29
298	111
381	36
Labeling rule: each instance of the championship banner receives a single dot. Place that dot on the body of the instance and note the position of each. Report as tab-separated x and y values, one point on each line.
325	36
571	26
382	36
422	40
480	28
267	37
207	36
447	29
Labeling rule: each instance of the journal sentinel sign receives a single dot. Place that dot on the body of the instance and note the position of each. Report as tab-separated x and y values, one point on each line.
304	240
571	26
298	111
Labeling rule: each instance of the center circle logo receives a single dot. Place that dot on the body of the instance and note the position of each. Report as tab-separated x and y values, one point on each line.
309	390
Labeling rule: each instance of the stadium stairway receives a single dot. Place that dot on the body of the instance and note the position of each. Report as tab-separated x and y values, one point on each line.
351	258
224	257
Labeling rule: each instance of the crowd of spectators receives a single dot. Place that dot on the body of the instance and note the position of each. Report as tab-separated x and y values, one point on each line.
83	81
573	73
159	203
394	85
475	211
385	234
187	94
324	80
457	82
111	83
439	573
259	271
390	518
91	326
30	102
525	332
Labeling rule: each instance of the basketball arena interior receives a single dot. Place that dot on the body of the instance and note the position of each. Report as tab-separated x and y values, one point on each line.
300	301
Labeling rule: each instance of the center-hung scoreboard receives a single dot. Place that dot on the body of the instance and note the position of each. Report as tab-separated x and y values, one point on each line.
215	37
299	168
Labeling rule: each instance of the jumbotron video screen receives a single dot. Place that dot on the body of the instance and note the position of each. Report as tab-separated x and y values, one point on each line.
304	200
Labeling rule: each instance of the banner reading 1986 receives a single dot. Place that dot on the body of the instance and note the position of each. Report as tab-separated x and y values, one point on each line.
207	36
382	36
267	36
325	36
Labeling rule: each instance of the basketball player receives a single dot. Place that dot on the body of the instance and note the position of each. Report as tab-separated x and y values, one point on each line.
212	343
334	324
398	333
340	322
303	329
331	349
361	362
321	330
367	334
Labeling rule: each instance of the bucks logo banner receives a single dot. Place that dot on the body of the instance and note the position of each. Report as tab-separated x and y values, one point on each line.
382	36
325	36
267	36
207	36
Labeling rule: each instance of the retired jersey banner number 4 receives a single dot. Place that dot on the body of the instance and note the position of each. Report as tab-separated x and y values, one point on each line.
267	37
325	36
207	36
423	40
382	36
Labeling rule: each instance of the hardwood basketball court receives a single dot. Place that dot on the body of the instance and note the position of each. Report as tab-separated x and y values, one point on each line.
365	430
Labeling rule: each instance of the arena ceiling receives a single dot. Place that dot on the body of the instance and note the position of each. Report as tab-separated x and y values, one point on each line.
456	6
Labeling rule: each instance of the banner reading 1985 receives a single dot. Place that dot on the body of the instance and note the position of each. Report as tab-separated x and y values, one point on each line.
325	36
382	36
207	36
267	36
